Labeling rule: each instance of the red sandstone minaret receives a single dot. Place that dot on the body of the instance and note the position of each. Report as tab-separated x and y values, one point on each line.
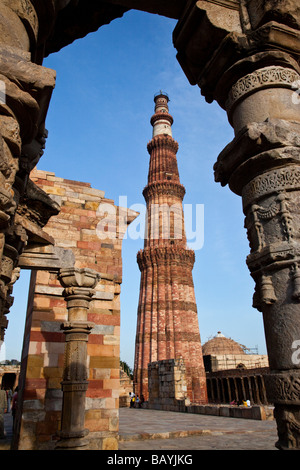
167	324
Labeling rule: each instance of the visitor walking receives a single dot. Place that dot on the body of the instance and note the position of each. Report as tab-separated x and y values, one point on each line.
14	405
3	407
9	398
142	401
132	400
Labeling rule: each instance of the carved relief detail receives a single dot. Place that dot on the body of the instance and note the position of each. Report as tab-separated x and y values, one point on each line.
264	292
268	295
288	428
295	272
284	388
279	207
162	141
79	287
26	12
164	187
269	201
165	255
262	78
274	181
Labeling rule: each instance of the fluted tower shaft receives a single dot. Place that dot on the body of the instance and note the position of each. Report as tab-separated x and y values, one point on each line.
167	321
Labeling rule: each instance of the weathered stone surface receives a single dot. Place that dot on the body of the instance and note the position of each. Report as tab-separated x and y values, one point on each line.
253	73
167	383
257	146
283	11
49	309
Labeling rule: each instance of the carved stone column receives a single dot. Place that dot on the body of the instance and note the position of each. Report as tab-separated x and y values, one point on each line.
78	291
15	240
262	165
25	91
245	56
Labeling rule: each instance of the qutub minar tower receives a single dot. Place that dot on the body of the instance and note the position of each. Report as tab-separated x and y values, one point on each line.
167	323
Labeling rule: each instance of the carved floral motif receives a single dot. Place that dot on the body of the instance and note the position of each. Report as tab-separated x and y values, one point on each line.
274	181
284	388
262	78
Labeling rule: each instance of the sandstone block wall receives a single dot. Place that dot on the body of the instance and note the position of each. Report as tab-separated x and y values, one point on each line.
126	387
43	355
167	384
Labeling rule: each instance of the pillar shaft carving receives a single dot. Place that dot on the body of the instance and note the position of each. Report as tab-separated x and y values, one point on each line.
249	65
78	291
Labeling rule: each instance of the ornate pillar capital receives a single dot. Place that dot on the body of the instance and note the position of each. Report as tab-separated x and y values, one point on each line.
78	290
78	278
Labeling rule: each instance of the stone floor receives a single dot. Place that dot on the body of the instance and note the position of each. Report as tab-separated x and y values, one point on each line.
8	424
158	430
166	430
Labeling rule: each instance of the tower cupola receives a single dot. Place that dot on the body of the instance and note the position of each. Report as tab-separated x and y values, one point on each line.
161	119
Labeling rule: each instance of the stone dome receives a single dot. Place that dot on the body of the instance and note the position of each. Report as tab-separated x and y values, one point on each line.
220	345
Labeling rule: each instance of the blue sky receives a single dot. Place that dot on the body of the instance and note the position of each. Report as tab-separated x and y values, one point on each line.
99	127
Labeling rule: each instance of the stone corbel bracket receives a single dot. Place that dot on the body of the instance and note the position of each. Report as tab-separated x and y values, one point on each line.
217	41
208	35
46	257
28	89
258	146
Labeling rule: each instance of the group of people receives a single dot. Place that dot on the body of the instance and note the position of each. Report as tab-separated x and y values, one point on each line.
8	403
241	403
135	401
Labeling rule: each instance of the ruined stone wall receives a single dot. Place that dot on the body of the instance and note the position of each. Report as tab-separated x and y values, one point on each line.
126	387
73	228
167	384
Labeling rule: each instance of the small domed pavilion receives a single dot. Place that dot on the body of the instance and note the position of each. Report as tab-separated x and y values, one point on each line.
233	372
220	345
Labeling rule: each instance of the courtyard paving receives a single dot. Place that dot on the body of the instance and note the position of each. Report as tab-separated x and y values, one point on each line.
151	430
165	430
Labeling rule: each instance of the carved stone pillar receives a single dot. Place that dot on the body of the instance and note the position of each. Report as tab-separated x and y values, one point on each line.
78	291
25	91
228	389
245	56
15	240
262	165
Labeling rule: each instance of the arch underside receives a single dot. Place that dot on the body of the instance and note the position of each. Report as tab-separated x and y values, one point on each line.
77	19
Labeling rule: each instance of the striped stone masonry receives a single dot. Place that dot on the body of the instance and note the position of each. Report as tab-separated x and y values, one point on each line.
74	228
167	320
